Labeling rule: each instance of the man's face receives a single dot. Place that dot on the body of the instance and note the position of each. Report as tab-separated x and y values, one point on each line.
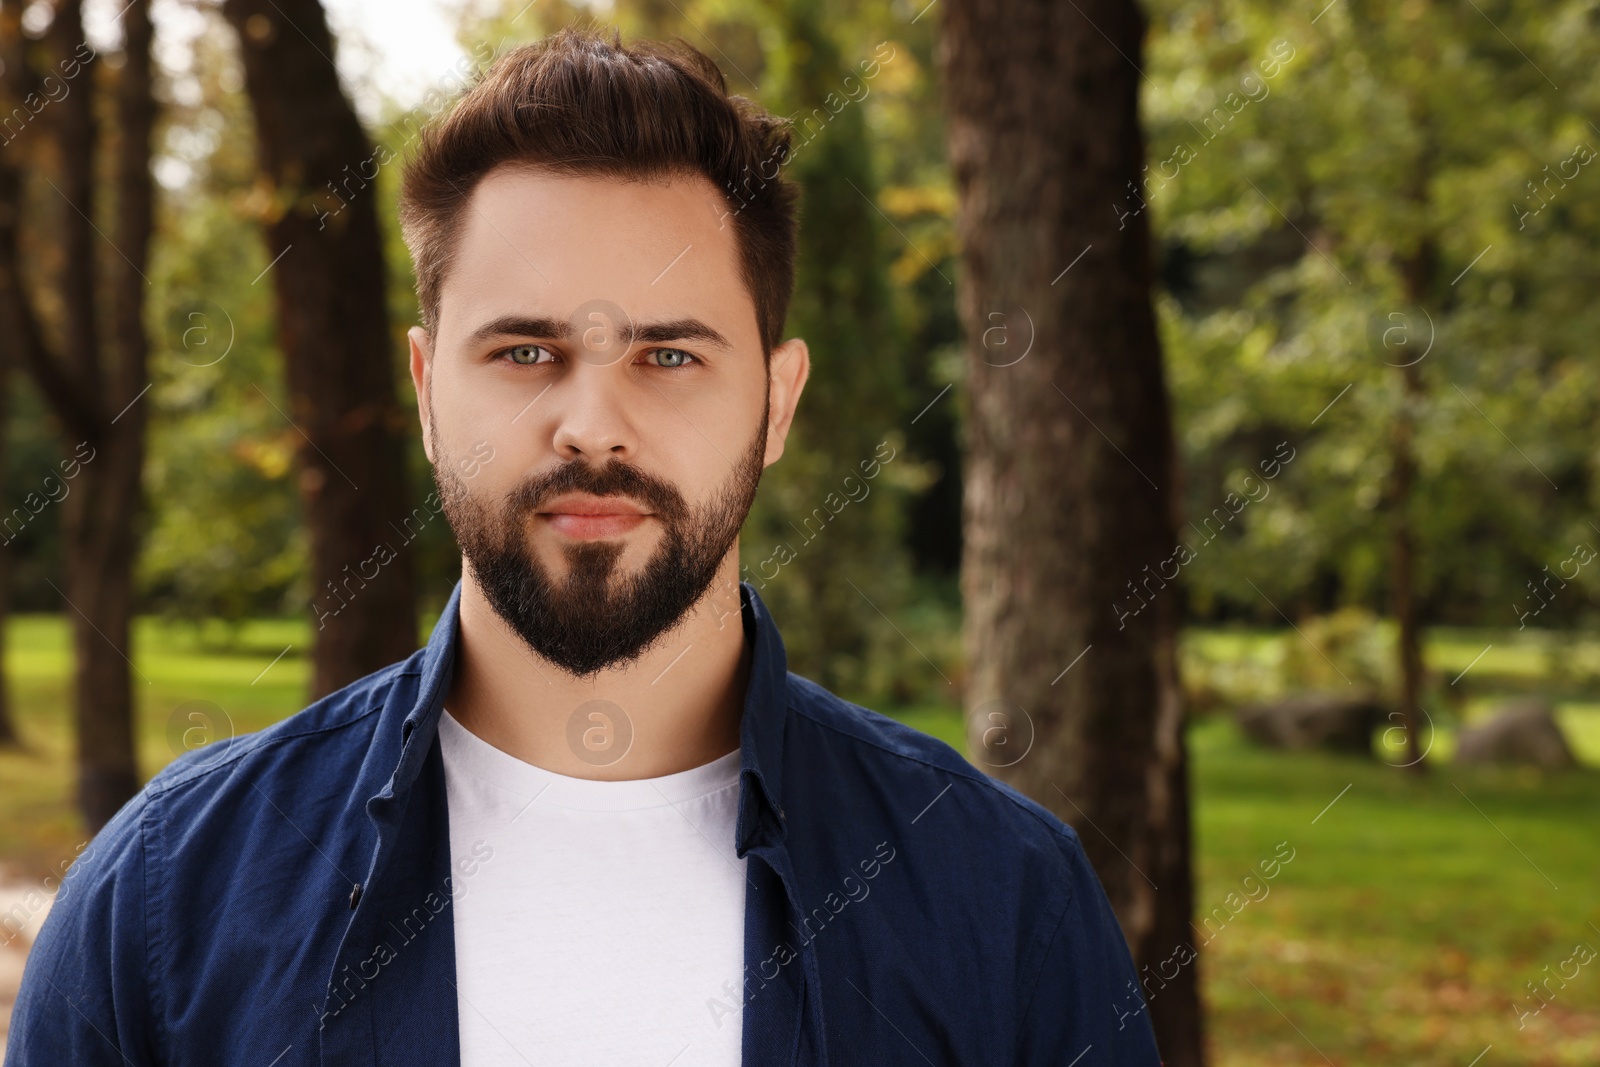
596	404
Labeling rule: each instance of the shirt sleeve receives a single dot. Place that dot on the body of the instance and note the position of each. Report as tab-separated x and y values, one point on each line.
84	998
1086	1009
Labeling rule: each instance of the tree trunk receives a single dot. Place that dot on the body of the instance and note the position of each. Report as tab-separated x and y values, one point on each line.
9	738
1071	499
105	422
328	277
102	513
11	60
1403	566
103	543
1416	273
100	550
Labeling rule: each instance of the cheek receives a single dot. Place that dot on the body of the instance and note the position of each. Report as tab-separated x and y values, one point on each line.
705	427
477	402
481	425
690	467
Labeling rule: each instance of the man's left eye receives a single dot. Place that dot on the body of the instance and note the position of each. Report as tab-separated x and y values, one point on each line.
670	357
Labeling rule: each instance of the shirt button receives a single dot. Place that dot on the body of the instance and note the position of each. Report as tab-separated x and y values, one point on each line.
355	896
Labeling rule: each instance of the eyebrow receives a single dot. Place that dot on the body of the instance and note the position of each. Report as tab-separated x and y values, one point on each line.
687	329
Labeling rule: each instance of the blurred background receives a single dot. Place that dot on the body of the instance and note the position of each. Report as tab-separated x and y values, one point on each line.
1365	238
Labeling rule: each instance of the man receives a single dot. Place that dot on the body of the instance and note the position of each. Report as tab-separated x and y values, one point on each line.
594	820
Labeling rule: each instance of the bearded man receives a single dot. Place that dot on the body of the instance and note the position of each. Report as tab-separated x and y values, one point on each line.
595	820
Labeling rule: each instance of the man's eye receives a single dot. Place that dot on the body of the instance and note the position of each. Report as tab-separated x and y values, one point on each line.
527	355
670	357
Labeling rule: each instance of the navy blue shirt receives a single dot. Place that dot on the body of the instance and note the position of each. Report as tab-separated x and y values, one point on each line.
282	898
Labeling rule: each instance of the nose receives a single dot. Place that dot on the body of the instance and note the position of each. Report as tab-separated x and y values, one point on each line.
591	418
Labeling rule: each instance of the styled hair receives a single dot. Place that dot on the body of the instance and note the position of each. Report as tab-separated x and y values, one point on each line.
577	104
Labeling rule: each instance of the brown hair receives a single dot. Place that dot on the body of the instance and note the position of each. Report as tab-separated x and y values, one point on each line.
576	103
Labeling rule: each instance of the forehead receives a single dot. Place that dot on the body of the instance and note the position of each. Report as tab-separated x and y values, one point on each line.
530	241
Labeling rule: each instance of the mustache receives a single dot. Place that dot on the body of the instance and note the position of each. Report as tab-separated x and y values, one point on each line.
614	478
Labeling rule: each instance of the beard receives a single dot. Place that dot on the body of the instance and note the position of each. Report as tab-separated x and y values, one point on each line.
596	617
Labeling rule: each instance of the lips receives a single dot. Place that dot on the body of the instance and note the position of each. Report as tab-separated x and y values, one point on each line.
586	517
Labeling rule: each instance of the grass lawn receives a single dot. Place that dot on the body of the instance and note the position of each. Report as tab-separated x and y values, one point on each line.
1411	917
1403	929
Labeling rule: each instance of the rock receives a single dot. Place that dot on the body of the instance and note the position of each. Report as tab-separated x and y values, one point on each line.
1314	720
1524	732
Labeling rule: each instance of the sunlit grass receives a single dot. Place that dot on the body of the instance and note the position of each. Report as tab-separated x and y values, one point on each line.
1415	910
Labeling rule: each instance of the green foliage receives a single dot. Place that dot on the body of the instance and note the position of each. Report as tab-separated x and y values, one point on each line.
1346	650
1362	203
851	564
225	537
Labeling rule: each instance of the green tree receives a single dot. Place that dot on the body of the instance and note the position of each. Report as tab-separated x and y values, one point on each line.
329	275
1379	232
226	538
93	378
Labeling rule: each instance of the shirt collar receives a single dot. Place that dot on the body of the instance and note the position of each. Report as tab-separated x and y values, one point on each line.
761	730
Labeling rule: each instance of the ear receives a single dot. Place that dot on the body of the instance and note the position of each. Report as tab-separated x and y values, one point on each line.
786	377
421	370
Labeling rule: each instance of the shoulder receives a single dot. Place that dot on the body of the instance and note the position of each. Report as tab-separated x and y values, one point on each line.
195	819
308	767
1019	913
333	730
909	783
121	923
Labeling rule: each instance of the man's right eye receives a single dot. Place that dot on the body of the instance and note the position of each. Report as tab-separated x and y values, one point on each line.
528	355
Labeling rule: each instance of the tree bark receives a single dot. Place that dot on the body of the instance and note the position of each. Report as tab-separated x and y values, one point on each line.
9	738
102	508
1403	566
106	535
11	60
329	280
1417	269
1072	500
71	399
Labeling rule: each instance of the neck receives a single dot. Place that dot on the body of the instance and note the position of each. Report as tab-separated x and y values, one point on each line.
682	701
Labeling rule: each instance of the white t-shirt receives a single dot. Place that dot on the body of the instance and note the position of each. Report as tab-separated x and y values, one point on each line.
595	922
